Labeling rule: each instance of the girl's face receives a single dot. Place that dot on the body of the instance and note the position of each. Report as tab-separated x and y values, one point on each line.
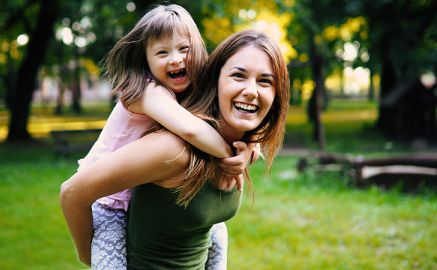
245	90
166	58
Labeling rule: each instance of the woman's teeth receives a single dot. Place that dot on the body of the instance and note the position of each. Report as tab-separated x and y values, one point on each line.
245	107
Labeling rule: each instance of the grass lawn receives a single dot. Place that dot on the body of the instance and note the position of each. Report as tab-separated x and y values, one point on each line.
298	221
315	221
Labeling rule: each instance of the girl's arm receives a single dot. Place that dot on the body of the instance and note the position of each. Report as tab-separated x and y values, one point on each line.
161	106
142	161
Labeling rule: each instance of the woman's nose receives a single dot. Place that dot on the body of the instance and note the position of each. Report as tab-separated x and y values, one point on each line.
251	89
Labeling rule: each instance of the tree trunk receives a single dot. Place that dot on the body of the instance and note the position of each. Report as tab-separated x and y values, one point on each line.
59	109
388	82
371	90
9	80
407	110
75	88
26	76
316	102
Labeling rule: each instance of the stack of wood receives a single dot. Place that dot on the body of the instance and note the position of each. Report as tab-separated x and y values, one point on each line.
412	168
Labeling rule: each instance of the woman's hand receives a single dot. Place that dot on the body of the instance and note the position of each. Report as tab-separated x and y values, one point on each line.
233	167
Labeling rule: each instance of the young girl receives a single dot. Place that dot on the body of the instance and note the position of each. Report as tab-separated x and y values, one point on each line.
151	67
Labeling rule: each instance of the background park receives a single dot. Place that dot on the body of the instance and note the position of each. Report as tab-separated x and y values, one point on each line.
354	186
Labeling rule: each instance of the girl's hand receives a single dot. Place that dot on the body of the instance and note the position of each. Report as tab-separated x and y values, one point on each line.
234	166
230	181
256	152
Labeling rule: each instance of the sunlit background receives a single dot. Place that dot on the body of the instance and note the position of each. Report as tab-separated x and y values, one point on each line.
346	38
363	87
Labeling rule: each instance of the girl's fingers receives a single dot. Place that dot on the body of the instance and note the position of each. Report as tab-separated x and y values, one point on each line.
232	172
239	182
235	164
240	147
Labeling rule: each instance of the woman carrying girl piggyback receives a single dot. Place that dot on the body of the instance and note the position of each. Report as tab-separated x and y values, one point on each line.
152	67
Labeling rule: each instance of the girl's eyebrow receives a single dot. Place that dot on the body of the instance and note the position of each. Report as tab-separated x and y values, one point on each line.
165	45
183	42
158	47
244	70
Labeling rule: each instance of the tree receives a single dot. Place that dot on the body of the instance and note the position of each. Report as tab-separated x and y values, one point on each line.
401	42
310	20
86	31
21	95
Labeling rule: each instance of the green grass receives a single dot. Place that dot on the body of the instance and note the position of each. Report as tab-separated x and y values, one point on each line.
33	233
315	221
298	221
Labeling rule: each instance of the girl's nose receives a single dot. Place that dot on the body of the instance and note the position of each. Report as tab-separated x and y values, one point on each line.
176	59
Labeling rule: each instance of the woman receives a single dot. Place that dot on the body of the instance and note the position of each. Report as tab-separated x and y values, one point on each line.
181	194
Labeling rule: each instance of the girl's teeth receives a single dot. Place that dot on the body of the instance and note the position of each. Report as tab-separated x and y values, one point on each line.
177	73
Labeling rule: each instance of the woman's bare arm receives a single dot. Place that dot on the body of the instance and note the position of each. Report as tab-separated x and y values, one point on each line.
157	156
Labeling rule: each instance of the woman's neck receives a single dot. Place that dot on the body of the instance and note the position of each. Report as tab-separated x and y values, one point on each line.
229	134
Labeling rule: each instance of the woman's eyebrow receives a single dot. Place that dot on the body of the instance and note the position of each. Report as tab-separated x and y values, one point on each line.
244	70
239	68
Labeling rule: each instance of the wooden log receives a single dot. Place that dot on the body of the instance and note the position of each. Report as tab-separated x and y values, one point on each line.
411	167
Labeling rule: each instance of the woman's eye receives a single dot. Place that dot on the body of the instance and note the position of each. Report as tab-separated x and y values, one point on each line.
237	75
266	82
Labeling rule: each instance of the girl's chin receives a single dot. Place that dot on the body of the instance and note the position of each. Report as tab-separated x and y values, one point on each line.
178	87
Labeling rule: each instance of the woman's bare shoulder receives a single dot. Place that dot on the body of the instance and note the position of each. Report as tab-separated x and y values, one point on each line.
170	148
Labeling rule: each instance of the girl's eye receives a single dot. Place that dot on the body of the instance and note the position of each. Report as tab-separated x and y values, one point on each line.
161	52
184	49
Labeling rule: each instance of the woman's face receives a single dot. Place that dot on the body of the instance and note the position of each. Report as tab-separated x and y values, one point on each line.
245	90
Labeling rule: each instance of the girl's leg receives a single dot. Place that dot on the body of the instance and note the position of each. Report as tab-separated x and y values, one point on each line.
218	252
108	248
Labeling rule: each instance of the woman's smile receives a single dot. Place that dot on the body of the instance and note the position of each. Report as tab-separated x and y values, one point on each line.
245	90
245	108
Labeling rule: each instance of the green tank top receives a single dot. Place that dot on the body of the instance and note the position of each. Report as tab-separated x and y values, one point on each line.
163	235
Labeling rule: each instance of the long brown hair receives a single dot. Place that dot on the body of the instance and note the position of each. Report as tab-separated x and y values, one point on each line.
126	64
203	102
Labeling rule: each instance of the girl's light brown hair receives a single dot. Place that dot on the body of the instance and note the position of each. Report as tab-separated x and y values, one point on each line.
203	101
126	64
